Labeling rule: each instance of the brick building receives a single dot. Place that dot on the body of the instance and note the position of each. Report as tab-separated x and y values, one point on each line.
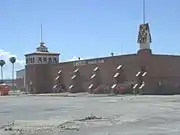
143	70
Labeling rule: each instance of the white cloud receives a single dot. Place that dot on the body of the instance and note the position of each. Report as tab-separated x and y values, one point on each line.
5	55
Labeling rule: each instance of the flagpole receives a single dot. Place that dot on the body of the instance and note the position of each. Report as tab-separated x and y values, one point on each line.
41	34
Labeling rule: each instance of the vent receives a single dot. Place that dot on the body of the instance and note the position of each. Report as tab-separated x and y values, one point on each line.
119	67
57	77
116	75
74	76
59	71
144	74
90	86
114	85
135	86
71	86
55	86
96	69
93	76
142	85
138	73
75	71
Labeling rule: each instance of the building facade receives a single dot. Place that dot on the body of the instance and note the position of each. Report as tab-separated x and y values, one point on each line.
143	71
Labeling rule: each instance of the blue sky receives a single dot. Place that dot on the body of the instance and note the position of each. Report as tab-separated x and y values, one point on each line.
85	28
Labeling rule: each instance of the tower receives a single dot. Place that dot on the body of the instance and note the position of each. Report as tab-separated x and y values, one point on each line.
38	69
144	36
144	82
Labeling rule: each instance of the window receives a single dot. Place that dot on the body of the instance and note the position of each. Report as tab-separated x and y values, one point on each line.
33	60
30	60
39	60
50	60
54	60
44	59
27	60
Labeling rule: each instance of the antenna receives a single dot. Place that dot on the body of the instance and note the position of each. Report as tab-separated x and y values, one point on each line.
144	11
41	33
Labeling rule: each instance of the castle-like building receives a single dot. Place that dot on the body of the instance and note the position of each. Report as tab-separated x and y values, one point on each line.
143	71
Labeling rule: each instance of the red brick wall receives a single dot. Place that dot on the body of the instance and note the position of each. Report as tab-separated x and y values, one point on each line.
159	67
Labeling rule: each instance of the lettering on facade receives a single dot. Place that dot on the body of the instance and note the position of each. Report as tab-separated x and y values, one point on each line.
83	62
41	60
